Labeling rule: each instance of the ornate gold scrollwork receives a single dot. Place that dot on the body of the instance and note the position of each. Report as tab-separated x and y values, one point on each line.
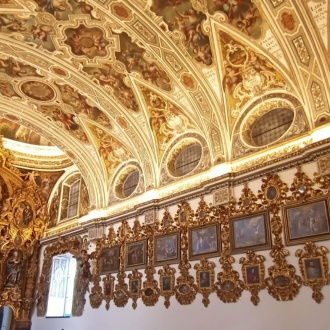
323	181
167	281
314	268
150	292
253	271
108	286
301	187
96	296
167	222
124	231
247	202
282	283
205	279
203	213
273	191
12	298
121	293
184	214
135	286
185	289
228	287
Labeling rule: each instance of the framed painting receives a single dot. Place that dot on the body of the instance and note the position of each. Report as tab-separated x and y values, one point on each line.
204	279
313	269
167	248
251	232
204	241
110	259
308	221
166	283
253	275
136	254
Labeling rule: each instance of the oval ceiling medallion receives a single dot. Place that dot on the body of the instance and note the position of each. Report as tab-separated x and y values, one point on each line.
38	91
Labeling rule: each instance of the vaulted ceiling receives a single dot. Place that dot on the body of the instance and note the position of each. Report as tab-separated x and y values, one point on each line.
103	88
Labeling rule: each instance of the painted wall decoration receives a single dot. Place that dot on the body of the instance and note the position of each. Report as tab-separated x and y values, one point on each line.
165	119
242	14
181	16
111	150
17	132
246	73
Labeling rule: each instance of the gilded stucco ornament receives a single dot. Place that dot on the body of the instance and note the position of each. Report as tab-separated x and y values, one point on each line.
135	280
185	289
121	293
283	283
253	271
108	288
150	291
23	220
205	279
302	187
167	282
314	268
229	287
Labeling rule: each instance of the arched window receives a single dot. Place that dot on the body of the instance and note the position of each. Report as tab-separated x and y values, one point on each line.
70	199
60	295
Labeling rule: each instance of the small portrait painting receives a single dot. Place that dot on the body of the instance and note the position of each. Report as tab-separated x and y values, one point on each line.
204	240
107	289
309	220
166	248
204	279
110	259
183	216
271	193
250	233
135	286
252	275
313	268
136	254
166	283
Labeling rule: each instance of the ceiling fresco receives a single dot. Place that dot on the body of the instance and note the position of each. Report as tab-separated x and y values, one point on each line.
133	83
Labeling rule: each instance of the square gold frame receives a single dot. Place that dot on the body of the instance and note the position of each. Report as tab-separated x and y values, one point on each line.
136	254
306	222
204	241
250	232
167	248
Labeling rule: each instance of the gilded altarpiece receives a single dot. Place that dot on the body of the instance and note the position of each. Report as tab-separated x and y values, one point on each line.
22	223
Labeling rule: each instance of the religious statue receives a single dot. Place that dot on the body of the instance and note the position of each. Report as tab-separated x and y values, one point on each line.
14	267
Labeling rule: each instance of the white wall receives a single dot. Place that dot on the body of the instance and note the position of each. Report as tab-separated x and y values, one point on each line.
301	313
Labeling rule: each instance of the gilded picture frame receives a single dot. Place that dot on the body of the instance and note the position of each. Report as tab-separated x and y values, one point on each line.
307	221
110	260
136	254
250	233
166	248
204	241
